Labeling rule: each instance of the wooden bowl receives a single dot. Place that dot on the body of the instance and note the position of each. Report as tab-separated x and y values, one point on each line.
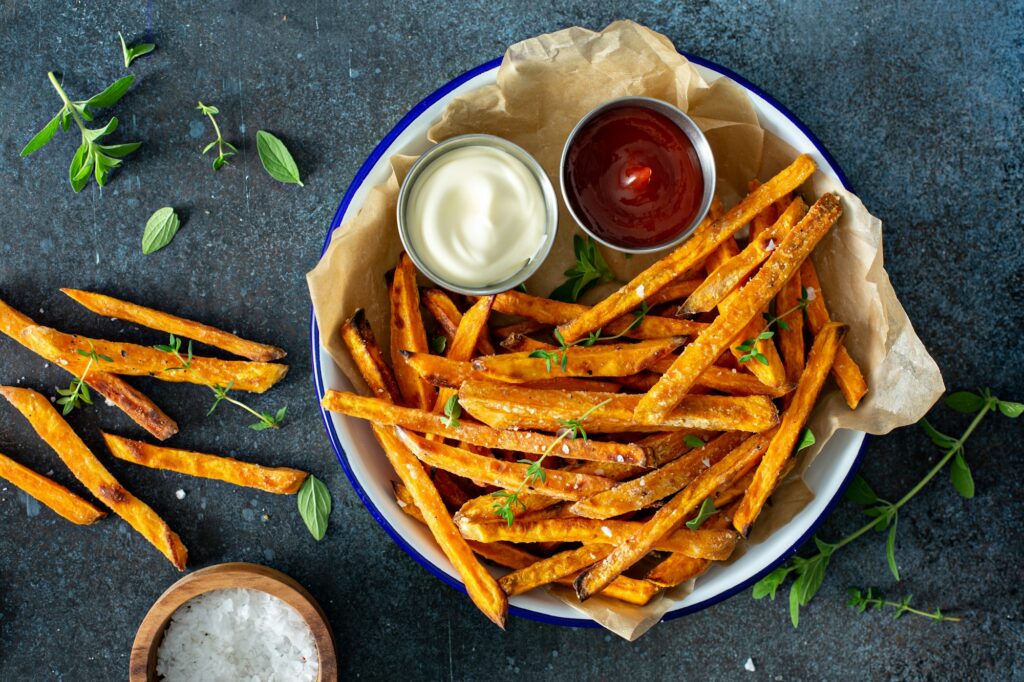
142	667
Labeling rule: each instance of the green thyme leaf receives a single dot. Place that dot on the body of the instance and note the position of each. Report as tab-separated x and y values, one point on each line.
806	440
1011	409
860	492
438	344
965	401
132	53
890	548
41	138
693	441
160	230
276	159
452	412
314	501
707	509
590	270
960	474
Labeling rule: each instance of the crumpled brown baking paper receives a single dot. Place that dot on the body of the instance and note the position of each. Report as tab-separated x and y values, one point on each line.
544	86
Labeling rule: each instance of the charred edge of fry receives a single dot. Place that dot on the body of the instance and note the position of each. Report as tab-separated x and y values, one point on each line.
366	353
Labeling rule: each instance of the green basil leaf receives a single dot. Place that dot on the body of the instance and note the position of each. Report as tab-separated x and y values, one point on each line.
160	230
1010	409
40	139
109	97
965	401
961	476
276	159
315	506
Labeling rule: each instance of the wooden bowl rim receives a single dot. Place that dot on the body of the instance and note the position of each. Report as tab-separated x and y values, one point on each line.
232	575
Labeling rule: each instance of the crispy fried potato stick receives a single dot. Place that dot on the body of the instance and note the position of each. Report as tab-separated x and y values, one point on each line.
408	334
652	487
52	428
699	543
549	312
670	446
504	406
55	496
470	329
141	409
727	276
481	586
605	360
678	567
679	289
280	480
791	337
362	346
665	521
448	316
108	306
845	370
820	359
708	236
763	220
384	413
134	360
555	483
447	373
482	508
752	298
551	569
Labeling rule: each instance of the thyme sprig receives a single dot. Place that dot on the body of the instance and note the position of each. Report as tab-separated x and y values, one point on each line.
221	394
77	393
561	354
220	142
508	501
874	600
749	346
809	572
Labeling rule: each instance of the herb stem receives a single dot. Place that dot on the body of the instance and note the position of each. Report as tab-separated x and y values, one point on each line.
67	101
216	129
919	612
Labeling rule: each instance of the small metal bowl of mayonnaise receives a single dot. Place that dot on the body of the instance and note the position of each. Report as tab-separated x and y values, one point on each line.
477	214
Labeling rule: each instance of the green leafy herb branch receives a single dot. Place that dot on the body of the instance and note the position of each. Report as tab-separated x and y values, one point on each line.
749	346
221	393
508	501
77	394
561	355
222	155
809	572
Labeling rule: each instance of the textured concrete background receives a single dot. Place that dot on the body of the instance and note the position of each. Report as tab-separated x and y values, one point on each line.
921	105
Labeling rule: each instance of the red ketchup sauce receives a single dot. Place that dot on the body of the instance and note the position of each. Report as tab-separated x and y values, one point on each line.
633	177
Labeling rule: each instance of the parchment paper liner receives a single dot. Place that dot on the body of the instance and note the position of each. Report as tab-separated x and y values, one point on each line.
544	86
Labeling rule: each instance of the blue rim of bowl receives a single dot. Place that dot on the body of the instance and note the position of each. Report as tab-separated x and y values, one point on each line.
335	441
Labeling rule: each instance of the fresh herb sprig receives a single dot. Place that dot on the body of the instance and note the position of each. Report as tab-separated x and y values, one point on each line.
508	501
452	412
706	511
590	270
874	600
276	159
809	572
561	354
749	346
77	394
92	158
132	53
221	394
224	148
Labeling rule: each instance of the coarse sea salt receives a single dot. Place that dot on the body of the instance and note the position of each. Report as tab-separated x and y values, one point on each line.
237	634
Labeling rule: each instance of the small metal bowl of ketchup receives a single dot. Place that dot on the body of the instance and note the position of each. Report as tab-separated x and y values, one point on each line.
637	174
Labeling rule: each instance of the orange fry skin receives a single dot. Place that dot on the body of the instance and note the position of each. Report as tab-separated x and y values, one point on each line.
50	493
408	334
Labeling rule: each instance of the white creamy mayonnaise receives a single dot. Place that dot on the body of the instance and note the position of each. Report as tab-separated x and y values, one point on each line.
476	216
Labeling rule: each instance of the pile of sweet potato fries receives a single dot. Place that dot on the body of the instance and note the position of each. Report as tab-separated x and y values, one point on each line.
573	441
100	365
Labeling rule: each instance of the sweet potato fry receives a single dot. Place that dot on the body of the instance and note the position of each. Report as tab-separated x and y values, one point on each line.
551	569
574	384
652	487
134	360
763	220
482	508
727	276
381	412
791	335
670	446
504	406
52	428
819	362
677	290
408	334
704	240
678	567
768	371
845	370
699	543
108	306
752	298
471	328
55	496
728	380
549	312
280	480
521	327
555	483
362	346
141	409
665	521
482	588
605	360
448	316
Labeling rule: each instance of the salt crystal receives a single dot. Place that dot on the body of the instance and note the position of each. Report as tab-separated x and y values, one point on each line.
640	291
619	458
749	665
706	462
771	245
811	294
401	503
565	448
180	494
607	531
237	634
109	402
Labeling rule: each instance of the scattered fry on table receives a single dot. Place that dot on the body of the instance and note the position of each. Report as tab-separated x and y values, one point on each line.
50	493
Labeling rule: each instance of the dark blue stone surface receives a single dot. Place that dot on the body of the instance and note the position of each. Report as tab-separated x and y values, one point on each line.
921	105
